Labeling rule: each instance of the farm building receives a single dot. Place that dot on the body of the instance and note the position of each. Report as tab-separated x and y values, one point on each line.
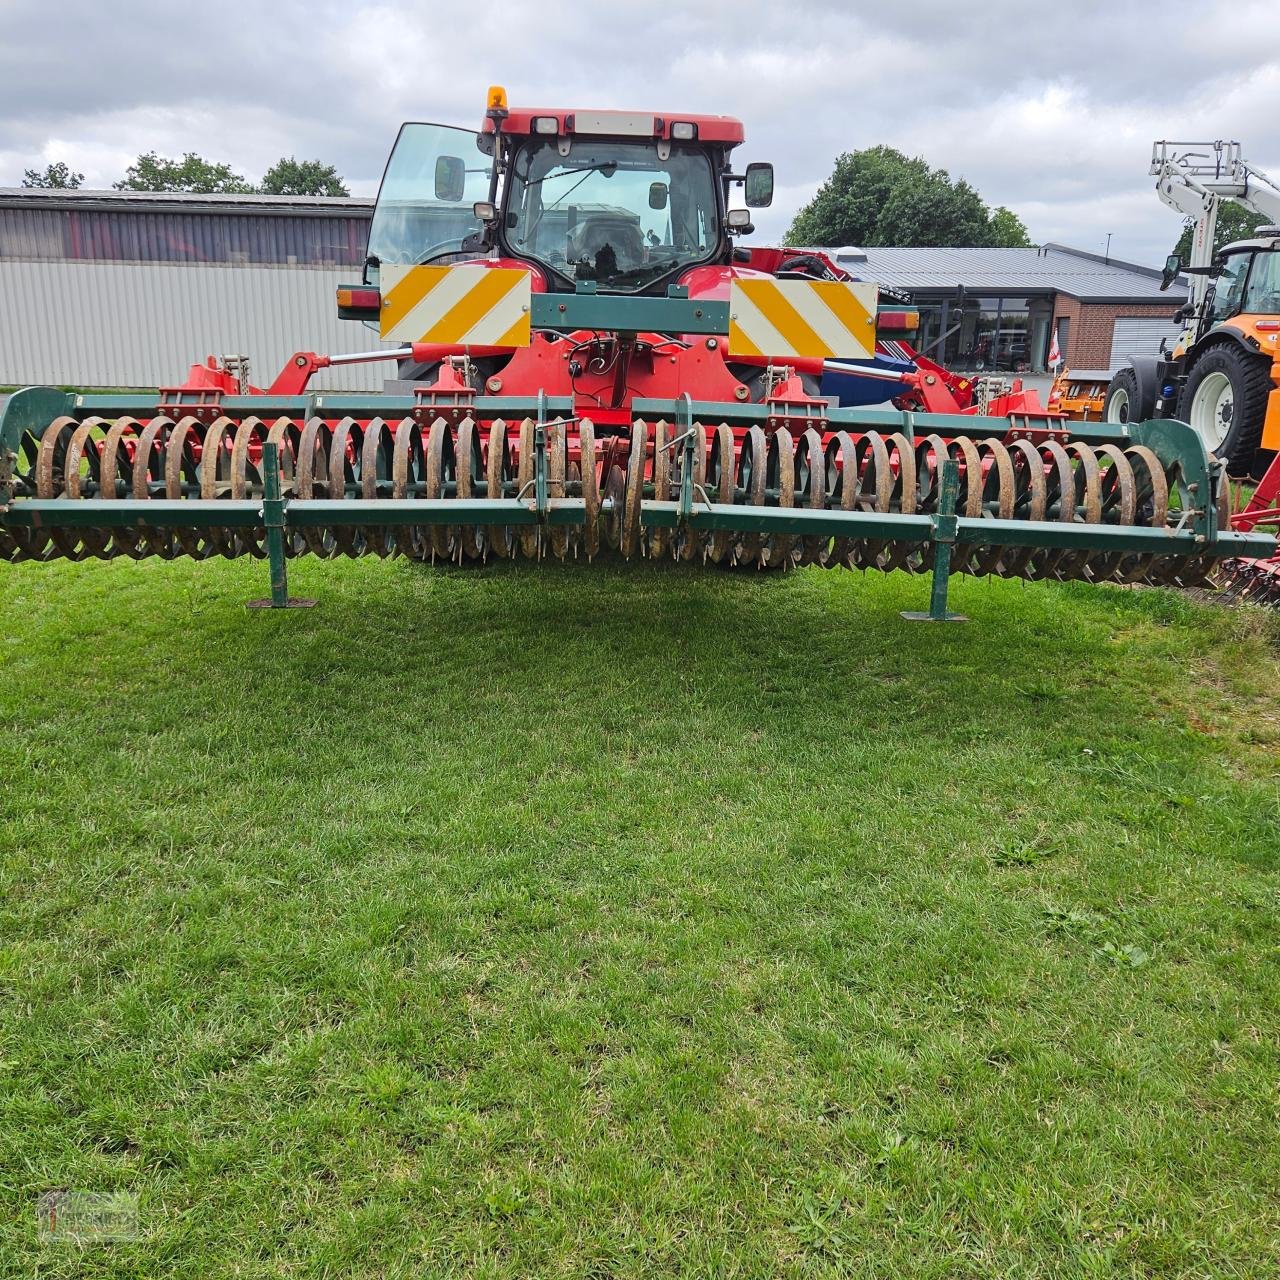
125	288
998	308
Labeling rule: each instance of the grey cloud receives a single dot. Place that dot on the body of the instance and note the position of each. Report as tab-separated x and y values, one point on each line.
1049	109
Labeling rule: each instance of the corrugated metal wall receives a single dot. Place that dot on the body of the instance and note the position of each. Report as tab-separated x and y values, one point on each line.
107	324
130	234
1140	336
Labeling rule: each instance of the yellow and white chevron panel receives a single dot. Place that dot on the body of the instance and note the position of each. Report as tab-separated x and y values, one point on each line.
465	306
810	319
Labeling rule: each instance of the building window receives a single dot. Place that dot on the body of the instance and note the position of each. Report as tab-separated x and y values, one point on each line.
989	335
137	235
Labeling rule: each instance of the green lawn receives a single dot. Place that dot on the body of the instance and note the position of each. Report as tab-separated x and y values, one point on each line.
633	922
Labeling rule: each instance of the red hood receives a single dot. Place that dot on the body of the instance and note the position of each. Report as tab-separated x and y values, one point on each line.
713	283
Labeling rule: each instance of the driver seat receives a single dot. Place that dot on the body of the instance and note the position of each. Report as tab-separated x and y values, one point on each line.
590	236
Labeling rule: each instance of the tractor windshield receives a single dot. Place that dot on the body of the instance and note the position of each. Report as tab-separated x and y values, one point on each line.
1228	287
1262	297
612	212
434	176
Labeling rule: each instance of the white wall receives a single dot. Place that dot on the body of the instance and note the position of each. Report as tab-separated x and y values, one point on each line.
121	324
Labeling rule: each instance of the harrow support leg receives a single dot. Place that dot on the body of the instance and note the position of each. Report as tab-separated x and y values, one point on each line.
944	538
273	518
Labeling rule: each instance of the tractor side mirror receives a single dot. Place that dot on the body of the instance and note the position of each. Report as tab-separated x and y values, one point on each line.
657	195
1172	265
758	186
451	178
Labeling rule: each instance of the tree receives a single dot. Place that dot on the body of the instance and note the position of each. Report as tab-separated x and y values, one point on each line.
1010	231
151	172
58	174
290	177
880	197
1235	222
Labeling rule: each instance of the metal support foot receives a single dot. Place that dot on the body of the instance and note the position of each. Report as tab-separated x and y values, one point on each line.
273	518
944	538
684	419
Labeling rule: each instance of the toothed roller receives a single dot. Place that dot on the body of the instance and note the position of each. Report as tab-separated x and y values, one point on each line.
702	484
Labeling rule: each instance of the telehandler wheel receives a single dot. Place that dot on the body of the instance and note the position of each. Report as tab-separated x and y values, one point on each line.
1225	400
1125	400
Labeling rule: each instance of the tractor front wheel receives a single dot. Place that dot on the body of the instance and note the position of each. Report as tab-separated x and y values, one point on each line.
1125	401
1225	400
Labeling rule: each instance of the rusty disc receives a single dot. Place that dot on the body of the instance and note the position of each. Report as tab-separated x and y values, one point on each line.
720	488
633	494
557	474
777	550
590	488
474	543
659	536
753	473
441	476
497	471
527	535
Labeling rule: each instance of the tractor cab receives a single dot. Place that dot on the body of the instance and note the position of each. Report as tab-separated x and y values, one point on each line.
1245	288
1248	280
613	201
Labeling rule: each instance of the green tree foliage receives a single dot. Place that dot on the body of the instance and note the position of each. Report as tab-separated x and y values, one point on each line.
880	197
290	177
151	172
58	174
1010	231
1235	222
287	177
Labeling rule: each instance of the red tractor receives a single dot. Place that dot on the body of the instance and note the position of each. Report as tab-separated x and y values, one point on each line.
633	205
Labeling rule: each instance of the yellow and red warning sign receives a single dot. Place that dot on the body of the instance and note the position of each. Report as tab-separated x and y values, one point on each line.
466	306
809	319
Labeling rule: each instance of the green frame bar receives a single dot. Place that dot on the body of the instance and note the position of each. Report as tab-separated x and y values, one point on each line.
33	408
196	513
621	313
885	421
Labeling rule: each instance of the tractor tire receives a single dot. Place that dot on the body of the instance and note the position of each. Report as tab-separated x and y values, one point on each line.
1225	400
1126	401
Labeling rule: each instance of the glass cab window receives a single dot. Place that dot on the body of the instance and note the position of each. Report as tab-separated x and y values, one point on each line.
1262	296
1228	289
612	212
435	174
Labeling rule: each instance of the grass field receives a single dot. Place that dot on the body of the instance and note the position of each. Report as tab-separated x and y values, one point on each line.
637	923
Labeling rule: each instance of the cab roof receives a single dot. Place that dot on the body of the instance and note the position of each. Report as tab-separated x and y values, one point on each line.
1268	240
724	131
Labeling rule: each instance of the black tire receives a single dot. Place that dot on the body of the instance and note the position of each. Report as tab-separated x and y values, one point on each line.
1227	388
1126	400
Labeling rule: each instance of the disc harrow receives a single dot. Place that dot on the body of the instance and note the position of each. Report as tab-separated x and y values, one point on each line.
729	485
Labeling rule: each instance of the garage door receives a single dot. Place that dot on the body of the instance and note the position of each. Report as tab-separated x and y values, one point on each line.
1140	336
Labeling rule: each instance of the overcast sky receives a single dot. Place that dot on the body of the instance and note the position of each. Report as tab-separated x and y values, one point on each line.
1048	108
